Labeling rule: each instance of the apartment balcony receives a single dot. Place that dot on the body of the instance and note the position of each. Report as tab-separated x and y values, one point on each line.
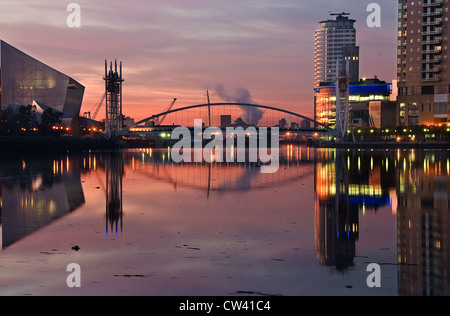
429	33
436	60
435	3
431	79
432	70
433	42
433	23
431	51
435	13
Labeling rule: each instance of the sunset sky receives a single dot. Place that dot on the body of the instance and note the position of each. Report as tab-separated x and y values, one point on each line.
180	48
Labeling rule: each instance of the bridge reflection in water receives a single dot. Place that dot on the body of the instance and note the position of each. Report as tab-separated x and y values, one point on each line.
295	163
413	185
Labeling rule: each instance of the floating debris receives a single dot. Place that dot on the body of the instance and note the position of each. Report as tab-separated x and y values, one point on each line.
76	248
132	275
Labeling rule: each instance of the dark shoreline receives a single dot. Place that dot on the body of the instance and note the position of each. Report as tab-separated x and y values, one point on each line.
388	145
10	146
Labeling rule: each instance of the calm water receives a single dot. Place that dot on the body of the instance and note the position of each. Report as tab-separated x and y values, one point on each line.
146	226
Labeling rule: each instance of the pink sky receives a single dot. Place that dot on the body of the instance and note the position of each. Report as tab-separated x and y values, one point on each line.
180	48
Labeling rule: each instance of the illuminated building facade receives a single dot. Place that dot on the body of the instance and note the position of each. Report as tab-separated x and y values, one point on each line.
335	44
347	183
422	66
383	114
423	221
361	94
27	81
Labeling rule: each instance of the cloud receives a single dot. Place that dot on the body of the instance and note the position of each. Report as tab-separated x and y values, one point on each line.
177	48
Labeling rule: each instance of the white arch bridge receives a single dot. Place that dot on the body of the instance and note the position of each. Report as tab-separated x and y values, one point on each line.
247	110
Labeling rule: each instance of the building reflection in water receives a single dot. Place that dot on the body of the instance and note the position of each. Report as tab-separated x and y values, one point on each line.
423	222
347	182
113	164
336	223
36	192
114	201
416	183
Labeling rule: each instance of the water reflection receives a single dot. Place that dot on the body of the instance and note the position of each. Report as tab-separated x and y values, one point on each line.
414	185
114	205
336	219
294	164
34	193
423	222
347	183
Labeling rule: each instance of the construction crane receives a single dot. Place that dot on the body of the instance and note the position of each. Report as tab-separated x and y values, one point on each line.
169	107
95	109
98	106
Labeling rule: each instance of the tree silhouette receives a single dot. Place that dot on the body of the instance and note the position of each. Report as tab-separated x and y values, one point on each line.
49	119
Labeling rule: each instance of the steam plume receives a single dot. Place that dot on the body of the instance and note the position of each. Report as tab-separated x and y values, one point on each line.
250	115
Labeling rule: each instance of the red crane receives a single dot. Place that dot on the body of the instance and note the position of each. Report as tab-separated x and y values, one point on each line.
95	109
159	122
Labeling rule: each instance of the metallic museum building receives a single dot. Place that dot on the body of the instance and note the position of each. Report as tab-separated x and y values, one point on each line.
27	81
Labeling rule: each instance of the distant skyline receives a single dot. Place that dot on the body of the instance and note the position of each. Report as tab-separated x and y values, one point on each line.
178	49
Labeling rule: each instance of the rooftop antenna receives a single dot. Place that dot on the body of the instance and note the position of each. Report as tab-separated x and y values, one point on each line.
339	15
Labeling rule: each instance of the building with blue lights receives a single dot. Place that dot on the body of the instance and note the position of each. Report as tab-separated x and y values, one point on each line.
370	101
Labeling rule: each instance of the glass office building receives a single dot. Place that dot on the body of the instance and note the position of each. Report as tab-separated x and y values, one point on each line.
27	81
361	95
